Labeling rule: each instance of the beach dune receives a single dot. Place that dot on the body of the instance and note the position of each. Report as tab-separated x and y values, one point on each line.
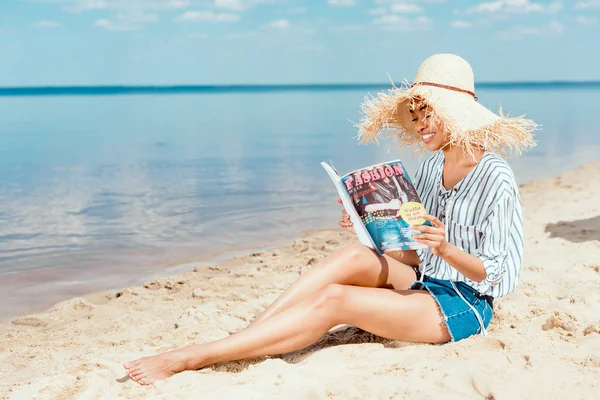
543	342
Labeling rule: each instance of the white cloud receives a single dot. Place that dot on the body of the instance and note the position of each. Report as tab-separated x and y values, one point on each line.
284	25
127	15
390	2
111	26
515	7
586	20
47	24
85	5
296	10
344	29
517	32
179	3
278	24
341	3
461	24
127	6
587	4
400	23
405	8
378	11
235	5
240	5
124	22
240	35
207	16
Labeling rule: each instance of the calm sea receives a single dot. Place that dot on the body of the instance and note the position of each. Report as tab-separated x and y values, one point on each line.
102	191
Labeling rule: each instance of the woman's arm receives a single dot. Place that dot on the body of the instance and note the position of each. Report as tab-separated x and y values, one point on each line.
435	237
467	264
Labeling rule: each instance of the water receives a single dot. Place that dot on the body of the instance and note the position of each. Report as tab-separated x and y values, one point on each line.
97	192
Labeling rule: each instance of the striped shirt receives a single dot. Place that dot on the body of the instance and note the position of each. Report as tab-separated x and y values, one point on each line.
482	214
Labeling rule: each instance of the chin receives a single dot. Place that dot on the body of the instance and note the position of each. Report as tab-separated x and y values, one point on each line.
433	146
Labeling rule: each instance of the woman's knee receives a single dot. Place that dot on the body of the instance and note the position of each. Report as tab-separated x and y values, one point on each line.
357	262
357	256
329	299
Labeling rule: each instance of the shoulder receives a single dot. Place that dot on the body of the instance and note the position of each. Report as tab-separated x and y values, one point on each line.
497	180
496	172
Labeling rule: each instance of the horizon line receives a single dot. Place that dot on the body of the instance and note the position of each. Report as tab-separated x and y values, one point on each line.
257	88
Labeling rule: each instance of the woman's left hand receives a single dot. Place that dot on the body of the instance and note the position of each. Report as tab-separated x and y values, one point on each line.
433	236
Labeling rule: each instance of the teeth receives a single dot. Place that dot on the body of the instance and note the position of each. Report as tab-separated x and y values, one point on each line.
428	136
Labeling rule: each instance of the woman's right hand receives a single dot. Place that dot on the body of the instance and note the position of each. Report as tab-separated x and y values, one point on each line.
346	223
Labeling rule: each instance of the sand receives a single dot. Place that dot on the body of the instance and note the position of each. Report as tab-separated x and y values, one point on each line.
543	342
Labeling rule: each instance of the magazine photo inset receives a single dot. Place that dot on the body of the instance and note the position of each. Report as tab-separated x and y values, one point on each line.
382	203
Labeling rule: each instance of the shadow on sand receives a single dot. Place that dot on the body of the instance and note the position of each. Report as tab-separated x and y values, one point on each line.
583	230
341	336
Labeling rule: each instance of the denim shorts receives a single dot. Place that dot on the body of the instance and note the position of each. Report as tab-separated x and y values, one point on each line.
458	316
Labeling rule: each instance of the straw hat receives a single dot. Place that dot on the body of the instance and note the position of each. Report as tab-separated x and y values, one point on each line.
446	83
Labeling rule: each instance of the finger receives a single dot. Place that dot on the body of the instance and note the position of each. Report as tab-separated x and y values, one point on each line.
434	220
349	228
428	229
428	236
339	200
429	243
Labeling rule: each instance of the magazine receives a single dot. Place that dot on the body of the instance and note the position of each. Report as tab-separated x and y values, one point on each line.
382	203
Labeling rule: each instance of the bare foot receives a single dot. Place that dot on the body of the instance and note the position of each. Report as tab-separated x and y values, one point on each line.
147	370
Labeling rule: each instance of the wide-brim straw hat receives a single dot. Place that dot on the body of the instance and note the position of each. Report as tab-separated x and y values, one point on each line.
446	83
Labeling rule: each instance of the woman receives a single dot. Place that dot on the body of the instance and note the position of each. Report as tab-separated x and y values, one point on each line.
475	243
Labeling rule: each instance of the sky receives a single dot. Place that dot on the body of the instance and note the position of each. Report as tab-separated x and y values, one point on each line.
162	42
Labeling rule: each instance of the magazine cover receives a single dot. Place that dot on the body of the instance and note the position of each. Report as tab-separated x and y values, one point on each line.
382	203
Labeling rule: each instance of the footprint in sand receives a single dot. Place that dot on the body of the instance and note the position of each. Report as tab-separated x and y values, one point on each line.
593	328
565	324
30	321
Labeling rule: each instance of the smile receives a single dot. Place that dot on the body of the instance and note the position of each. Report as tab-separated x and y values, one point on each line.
427	137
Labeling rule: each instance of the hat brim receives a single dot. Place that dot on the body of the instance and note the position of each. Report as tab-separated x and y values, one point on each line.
467	122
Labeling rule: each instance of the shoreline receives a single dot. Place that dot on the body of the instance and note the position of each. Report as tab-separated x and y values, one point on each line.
226	255
540	337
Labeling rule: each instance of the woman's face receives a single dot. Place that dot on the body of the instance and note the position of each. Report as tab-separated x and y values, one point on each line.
433	135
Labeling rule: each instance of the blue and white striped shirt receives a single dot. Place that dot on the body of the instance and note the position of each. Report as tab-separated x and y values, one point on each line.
482	214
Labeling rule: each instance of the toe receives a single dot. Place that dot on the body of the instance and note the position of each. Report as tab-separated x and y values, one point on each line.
138	375
131	364
135	369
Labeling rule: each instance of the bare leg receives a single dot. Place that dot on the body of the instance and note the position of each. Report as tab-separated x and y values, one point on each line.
403	315
353	265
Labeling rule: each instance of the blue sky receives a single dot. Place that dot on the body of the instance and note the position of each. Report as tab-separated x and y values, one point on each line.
94	42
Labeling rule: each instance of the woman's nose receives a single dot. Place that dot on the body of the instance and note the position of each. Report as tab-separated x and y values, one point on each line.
422	124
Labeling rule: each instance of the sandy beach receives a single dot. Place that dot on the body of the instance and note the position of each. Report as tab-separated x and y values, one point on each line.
543	342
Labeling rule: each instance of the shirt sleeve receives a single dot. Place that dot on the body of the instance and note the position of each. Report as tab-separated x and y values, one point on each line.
494	246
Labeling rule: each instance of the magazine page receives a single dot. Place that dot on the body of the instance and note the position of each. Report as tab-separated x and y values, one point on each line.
361	231
387	203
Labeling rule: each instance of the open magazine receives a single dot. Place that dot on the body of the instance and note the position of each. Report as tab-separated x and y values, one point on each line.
382	203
